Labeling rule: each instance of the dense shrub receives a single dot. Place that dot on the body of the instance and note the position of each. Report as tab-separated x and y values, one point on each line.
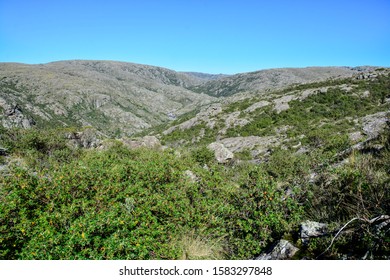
359	191
135	204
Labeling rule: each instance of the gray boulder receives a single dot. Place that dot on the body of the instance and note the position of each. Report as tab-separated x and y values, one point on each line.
374	124
13	116
88	138
221	153
310	229
146	141
281	251
281	104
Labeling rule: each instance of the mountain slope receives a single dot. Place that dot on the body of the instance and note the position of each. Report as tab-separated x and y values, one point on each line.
111	96
119	98
272	79
296	117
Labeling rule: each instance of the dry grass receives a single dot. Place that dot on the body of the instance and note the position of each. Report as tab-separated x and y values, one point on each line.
197	247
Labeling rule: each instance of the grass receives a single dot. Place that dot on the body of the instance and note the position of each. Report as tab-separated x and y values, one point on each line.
195	247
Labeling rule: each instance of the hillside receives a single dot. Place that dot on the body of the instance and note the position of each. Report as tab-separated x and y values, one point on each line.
112	160
114	97
120	98
273	79
351	107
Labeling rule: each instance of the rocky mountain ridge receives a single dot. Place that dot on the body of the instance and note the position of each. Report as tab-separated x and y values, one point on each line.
111	96
119	98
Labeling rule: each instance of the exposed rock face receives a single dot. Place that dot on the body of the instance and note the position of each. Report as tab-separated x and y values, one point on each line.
374	124
310	229
366	76
256	106
110	96
233	120
272	78
281	104
146	141
283	250
85	139
222	154
260	144
13	117
355	136
206	115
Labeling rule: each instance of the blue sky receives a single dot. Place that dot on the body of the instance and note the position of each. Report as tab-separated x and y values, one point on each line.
198	35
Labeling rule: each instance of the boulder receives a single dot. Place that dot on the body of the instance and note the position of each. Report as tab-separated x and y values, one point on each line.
374	124
146	141
281	251
13	117
281	104
310	229
256	106
221	153
355	136
88	138
323	90
261	144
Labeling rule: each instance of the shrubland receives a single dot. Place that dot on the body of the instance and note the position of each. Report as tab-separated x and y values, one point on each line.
134	204
60	201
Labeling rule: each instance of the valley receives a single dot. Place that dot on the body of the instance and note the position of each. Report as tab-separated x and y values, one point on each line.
115	160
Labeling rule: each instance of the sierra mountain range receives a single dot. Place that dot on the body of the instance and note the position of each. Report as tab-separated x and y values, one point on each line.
122	99
114	160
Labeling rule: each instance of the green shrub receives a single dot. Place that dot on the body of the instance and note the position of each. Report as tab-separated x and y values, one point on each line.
202	155
136	204
286	165
262	214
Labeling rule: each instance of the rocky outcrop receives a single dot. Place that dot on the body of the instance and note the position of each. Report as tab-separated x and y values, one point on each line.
374	124
13	117
366	76
143	142
355	136
258	144
256	106
281	104
204	116
310	229
283	250
88	138
233	120
221	153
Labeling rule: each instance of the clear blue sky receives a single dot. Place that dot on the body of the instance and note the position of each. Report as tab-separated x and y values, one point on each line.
198	35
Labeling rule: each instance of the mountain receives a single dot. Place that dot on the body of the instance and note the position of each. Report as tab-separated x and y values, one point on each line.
121	98
274	164
271	79
111	96
354	105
